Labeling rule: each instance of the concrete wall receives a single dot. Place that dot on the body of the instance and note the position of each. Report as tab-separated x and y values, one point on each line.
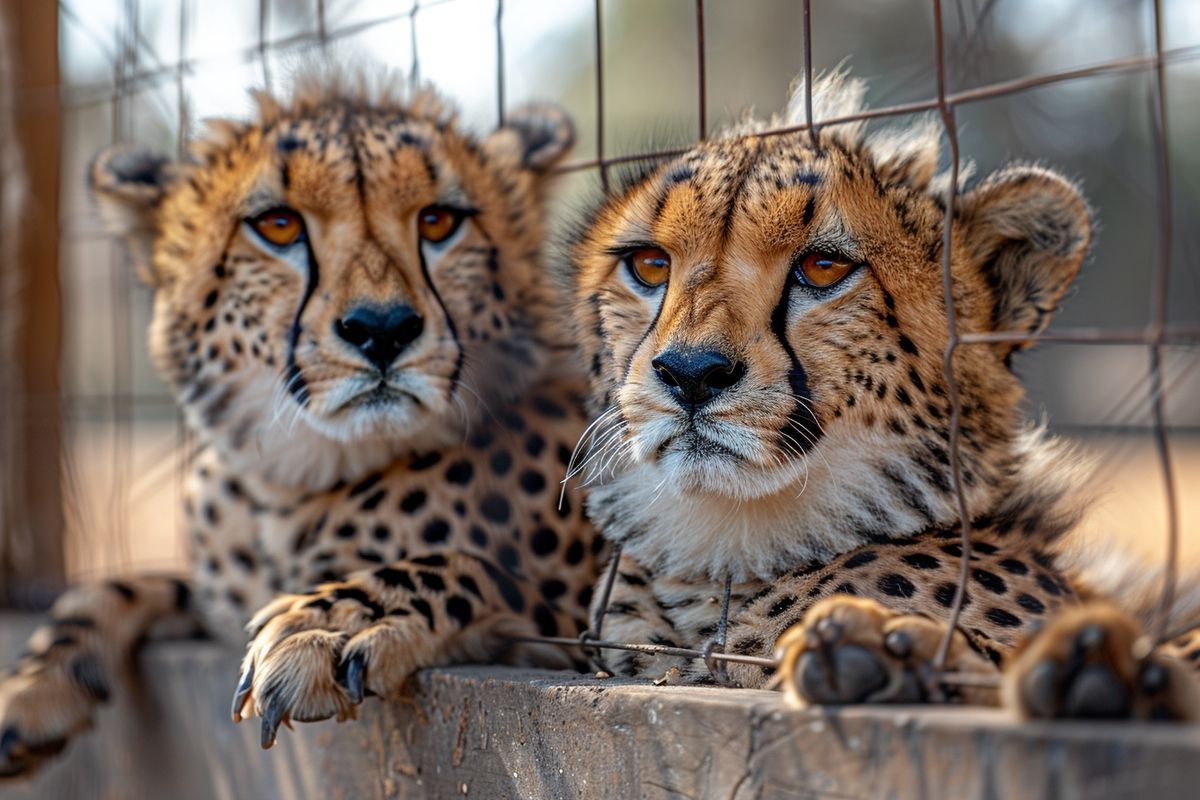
501	733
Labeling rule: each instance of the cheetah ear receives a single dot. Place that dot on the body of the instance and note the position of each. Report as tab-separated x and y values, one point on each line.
1027	229
534	136
128	185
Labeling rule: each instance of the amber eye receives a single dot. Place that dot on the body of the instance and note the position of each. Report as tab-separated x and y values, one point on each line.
821	270
650	266
281	227
438	223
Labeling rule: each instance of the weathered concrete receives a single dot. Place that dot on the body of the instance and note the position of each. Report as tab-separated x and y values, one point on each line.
501	733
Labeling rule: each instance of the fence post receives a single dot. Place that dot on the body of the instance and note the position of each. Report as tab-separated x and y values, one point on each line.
31	514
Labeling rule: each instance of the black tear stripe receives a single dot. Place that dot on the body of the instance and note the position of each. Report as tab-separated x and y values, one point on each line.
296	385
801	420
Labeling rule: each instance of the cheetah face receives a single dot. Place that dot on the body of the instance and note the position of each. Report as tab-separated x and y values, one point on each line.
764	316
359	270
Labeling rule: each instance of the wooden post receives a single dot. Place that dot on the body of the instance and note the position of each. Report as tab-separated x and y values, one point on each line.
31	513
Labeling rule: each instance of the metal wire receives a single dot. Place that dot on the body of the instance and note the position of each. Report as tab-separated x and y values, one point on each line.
130	77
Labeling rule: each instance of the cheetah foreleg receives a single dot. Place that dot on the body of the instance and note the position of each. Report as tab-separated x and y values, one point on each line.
69	663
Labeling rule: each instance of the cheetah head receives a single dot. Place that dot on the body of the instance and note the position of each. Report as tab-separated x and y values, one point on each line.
341	279
764	321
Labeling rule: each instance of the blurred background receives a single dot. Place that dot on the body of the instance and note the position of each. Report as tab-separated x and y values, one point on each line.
93	450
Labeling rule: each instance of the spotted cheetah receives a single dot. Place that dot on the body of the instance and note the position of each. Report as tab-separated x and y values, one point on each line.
764	322
352	310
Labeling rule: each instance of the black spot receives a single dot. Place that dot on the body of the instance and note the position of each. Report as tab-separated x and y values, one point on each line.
906	344
363	486
633	579
459	609
381	533
478	536
896	586
125	590
436	531
544	542
425	461
574	553
210	299
552	589
412	501
468	583
243	557
360	597
944	595
431	581
1047	583
860	559
432	560
549	408
346	531
532	481
211	515
921	561
396	577
321	604
507	586
501	462
781	605
534	445
1014	566
369	555
998	616
1031	603
423	608
990	581
845	588
373	501
510	559
544	617
460	472
983	547
495	508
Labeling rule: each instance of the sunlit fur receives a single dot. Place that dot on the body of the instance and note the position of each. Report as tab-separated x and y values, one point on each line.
839	430
272	384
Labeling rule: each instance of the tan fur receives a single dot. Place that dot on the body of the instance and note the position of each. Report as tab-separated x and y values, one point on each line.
407	510
818	469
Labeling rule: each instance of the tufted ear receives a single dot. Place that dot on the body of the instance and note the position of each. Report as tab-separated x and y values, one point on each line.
1027	229
906	156
535	136
128	184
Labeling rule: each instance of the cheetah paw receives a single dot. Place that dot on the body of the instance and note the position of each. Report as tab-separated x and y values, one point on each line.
45	701
853	650
318	655
1085	664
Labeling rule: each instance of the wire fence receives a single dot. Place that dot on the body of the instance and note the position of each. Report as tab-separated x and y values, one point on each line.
137	68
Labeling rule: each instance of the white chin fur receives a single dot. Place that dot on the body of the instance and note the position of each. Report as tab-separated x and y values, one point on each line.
701	518
305	450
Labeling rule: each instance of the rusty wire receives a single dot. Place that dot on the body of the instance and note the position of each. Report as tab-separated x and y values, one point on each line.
131	77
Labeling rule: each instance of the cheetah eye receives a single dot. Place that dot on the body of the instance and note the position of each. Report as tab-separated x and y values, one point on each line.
649	266
438	223
823	270
281	227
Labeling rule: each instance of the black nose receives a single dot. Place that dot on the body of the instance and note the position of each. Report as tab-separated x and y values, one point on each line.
694	377
380	334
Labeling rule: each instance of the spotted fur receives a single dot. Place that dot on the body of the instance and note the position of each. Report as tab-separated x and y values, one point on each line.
384	517
813	469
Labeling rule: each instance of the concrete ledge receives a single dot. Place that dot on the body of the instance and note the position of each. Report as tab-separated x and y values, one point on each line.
491	732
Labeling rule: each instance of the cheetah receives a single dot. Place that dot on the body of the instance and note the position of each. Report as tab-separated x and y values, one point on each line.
764	325
352	310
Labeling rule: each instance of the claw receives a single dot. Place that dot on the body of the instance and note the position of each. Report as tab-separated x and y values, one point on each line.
242	692
7	740
351	675
899	643
272	716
